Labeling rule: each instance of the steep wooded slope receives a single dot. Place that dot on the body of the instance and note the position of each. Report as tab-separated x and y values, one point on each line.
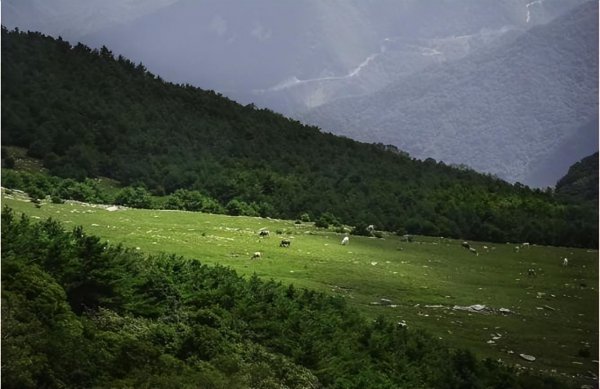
88	114
508	111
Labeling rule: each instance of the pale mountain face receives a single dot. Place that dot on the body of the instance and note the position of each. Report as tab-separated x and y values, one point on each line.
521	110
295	56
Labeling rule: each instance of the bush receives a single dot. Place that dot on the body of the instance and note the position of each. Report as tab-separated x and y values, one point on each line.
331	219
321	223
9	162
35	193
87	191
240	208
13	180
137	197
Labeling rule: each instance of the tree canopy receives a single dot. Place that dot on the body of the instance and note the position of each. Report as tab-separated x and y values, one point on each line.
89	114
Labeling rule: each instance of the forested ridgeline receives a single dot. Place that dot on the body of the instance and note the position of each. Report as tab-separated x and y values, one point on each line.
581	182
80	313
88	114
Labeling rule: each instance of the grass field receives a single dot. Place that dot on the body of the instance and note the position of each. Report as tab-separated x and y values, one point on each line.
554	315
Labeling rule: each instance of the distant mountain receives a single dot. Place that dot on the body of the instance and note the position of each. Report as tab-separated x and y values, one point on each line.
284	55
584	140
86	114
580	184
505	110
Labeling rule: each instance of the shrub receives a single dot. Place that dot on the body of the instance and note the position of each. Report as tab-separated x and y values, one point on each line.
137	197
237	207
9	162
35	193
321	223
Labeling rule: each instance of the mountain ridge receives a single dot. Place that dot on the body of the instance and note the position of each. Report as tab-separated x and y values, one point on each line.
508	105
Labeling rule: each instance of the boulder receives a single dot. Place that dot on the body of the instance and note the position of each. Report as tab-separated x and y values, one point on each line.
526	357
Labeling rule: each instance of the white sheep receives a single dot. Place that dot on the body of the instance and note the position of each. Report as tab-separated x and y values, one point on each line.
257	255
345	241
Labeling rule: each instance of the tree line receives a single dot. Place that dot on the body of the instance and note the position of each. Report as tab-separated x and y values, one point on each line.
87	113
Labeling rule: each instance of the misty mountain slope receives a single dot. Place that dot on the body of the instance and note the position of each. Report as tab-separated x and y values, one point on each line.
395	58
580	184
584	140
287	56
290	56
499	111
237	46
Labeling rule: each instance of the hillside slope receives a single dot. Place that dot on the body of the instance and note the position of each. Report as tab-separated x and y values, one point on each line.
505	111
88	114
581	182
95	314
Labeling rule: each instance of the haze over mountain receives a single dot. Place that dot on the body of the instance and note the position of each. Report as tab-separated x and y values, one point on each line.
295	56
313	51
524	111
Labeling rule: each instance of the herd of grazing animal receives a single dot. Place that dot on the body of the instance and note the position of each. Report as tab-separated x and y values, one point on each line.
530	271
286	243
472	250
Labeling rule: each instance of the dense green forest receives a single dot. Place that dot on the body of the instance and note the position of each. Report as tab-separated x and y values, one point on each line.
80	313
88	114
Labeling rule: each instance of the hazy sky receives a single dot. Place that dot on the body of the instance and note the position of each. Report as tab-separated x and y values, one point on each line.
74	18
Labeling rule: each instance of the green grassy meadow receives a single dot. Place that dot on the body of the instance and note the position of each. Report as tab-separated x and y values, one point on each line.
554	314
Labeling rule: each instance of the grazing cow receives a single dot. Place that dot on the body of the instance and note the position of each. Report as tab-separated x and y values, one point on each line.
565	262
471	249
285	243
466	245
263	233
531	272
345	241
256	255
